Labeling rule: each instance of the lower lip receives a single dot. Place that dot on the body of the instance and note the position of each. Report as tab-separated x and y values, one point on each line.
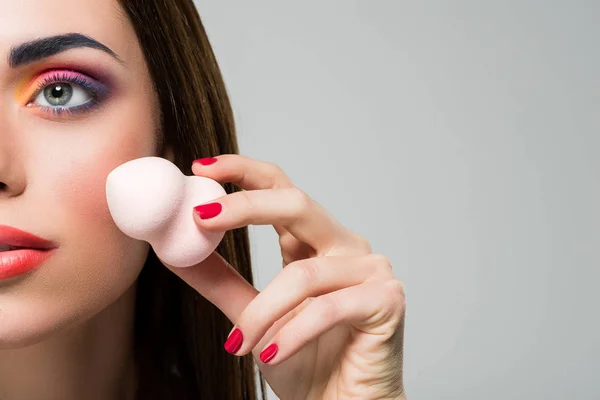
17	262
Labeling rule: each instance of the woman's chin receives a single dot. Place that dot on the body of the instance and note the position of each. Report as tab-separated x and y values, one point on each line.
19	329
18	337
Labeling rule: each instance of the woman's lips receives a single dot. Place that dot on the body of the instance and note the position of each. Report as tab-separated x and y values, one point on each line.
17	262
21	252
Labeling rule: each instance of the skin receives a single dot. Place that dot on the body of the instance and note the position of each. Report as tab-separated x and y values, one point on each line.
335	311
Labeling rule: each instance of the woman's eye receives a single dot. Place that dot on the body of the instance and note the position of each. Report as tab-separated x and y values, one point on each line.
63	95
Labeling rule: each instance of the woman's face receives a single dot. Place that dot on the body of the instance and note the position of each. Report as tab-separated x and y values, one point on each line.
70	112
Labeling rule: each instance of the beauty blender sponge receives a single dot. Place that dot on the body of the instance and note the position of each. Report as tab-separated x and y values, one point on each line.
150	199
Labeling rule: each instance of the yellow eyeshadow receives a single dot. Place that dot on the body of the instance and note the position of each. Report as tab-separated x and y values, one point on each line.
24	90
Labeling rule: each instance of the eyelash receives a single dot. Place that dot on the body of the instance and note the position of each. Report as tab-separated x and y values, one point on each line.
96	90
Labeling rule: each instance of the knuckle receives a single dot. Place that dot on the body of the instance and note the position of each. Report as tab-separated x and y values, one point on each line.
299	199
382	264
365	244
273	169
387	302
244	198
395	296
357	242
328	308
362	243
246	206
276	174
304	273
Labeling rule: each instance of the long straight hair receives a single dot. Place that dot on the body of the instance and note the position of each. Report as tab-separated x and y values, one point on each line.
179	334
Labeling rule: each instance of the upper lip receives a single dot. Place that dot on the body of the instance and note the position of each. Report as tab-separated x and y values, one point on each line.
18	238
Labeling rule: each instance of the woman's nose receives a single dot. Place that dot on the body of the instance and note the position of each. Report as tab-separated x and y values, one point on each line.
12	173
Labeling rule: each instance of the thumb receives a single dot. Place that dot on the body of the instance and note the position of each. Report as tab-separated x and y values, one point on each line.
217	281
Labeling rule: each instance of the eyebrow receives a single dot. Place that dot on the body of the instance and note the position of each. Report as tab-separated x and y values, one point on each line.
38	49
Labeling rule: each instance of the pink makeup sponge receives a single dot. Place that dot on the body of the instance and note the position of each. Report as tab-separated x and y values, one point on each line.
151	199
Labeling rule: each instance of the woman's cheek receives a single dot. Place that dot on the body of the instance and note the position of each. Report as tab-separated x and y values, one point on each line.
78	190
88	232
90	156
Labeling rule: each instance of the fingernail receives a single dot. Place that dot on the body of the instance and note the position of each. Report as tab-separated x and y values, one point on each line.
205	161
234	342
210	210
267	354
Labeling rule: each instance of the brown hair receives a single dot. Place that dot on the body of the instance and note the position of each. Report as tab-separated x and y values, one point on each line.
179	334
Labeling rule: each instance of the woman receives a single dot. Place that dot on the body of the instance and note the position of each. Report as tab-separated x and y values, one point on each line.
90	84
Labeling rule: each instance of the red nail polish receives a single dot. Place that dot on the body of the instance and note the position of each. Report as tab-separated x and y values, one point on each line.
234	342
207	211
267	354
206	161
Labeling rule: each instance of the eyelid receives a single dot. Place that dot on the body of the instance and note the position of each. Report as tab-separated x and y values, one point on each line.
29	88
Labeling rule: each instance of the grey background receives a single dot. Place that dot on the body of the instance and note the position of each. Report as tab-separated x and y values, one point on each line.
460	137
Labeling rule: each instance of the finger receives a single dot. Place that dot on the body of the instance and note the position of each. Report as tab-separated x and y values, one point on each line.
217	281
289	207
376	307
301	280
244	172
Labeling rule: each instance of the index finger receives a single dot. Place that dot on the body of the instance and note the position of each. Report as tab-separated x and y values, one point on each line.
217	281
245	172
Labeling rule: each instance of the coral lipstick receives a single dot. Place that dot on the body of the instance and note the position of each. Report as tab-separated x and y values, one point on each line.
21	252
17	262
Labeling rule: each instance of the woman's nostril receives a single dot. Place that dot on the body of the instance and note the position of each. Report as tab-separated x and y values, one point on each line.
2	186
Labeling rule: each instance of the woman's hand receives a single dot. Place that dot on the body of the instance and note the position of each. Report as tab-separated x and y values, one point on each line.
331	324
